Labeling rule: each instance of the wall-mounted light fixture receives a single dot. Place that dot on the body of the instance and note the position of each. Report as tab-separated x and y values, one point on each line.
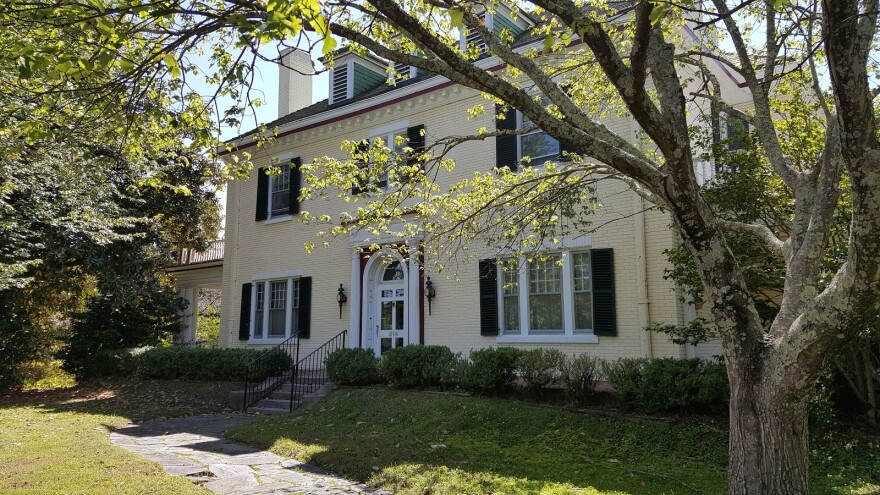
341	298
430	293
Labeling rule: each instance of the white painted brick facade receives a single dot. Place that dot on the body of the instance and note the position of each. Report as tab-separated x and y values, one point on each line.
253	247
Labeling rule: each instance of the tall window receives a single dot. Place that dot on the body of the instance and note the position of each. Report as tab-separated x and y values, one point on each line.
545	296
279	192
258	311
276	304
536	146
558	299
583	292
510	299
395	142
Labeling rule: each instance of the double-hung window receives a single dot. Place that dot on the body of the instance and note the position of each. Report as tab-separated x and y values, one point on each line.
279	192
275	307
535	147
395	142
549	295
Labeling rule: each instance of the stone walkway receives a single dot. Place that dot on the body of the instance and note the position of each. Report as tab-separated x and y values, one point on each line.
194	447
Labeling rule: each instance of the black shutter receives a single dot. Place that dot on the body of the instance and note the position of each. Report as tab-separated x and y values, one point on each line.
604	311
262	195
244	318
304	316
295	185
488	298
416	141
505	146
361	186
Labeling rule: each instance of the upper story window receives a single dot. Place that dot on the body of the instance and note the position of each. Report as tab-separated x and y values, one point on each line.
279	192
396	140
537	146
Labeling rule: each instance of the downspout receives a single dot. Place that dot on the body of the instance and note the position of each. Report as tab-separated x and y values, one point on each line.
647	346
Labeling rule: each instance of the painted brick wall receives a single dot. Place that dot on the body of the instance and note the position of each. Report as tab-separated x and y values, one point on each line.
260	247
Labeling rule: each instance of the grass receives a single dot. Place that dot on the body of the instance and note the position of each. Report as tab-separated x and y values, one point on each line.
56	442
426	443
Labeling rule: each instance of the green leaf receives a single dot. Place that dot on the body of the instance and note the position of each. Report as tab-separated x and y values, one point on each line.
657	12
456	18
329	45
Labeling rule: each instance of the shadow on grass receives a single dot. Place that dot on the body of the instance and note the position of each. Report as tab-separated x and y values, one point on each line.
416	443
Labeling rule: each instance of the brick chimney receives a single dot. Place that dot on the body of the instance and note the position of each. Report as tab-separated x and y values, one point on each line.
294	81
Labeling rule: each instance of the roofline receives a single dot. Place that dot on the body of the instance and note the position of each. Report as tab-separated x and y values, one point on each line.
381	100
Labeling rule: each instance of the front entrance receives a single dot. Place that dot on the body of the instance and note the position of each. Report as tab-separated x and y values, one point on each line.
391	314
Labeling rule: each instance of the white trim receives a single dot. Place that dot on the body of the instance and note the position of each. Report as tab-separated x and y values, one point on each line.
385	130
548	339
286	157
565	243
277	219
354	300
279	274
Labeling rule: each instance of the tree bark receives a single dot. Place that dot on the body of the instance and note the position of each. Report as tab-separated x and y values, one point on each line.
769	447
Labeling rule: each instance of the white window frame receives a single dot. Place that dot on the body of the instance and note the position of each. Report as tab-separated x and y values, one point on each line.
524	335
292	286
272	179
489	22
534	163
387	134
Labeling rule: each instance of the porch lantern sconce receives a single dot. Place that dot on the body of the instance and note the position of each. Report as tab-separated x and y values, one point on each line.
430	293
341	298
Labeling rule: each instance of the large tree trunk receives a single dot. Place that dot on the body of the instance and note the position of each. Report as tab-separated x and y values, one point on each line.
769	448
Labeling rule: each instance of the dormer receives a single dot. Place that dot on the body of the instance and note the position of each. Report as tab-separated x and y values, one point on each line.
501	19
353	75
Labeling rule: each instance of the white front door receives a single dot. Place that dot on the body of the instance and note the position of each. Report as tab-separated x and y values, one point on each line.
390	317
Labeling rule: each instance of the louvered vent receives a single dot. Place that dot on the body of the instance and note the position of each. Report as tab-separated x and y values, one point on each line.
473	37
339	91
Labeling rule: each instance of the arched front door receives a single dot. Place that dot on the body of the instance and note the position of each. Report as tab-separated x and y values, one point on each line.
390	311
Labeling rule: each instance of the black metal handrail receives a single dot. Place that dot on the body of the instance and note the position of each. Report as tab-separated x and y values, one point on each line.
310	373
269	370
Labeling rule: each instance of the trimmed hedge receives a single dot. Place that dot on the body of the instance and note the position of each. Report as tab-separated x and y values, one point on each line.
353	367
579	377
668	384
417	366
540	368
490	370
193	363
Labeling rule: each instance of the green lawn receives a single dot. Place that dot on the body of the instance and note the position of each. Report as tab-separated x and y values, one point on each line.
56	442
424	443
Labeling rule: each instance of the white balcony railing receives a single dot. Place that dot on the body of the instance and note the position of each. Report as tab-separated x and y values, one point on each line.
213	253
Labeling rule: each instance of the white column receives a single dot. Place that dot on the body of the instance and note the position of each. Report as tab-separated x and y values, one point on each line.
414	302
641	261
189	315
354	301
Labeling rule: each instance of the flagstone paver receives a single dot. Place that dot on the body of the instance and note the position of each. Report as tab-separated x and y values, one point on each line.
194	447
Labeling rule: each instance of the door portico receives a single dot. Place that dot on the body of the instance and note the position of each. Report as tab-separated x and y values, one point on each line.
387	303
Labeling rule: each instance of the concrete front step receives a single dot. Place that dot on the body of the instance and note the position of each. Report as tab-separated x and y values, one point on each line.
270	410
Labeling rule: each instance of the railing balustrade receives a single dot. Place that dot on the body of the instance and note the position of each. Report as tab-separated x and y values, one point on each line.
269	370
310	373
213	253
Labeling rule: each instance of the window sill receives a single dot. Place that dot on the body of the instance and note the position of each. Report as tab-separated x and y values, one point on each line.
272	341
278	219
548	339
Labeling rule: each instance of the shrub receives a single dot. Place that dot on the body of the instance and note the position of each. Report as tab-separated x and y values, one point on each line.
490	370
668	384
107	362
625	376
579	377
353	367
540	368
419	366
193	363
